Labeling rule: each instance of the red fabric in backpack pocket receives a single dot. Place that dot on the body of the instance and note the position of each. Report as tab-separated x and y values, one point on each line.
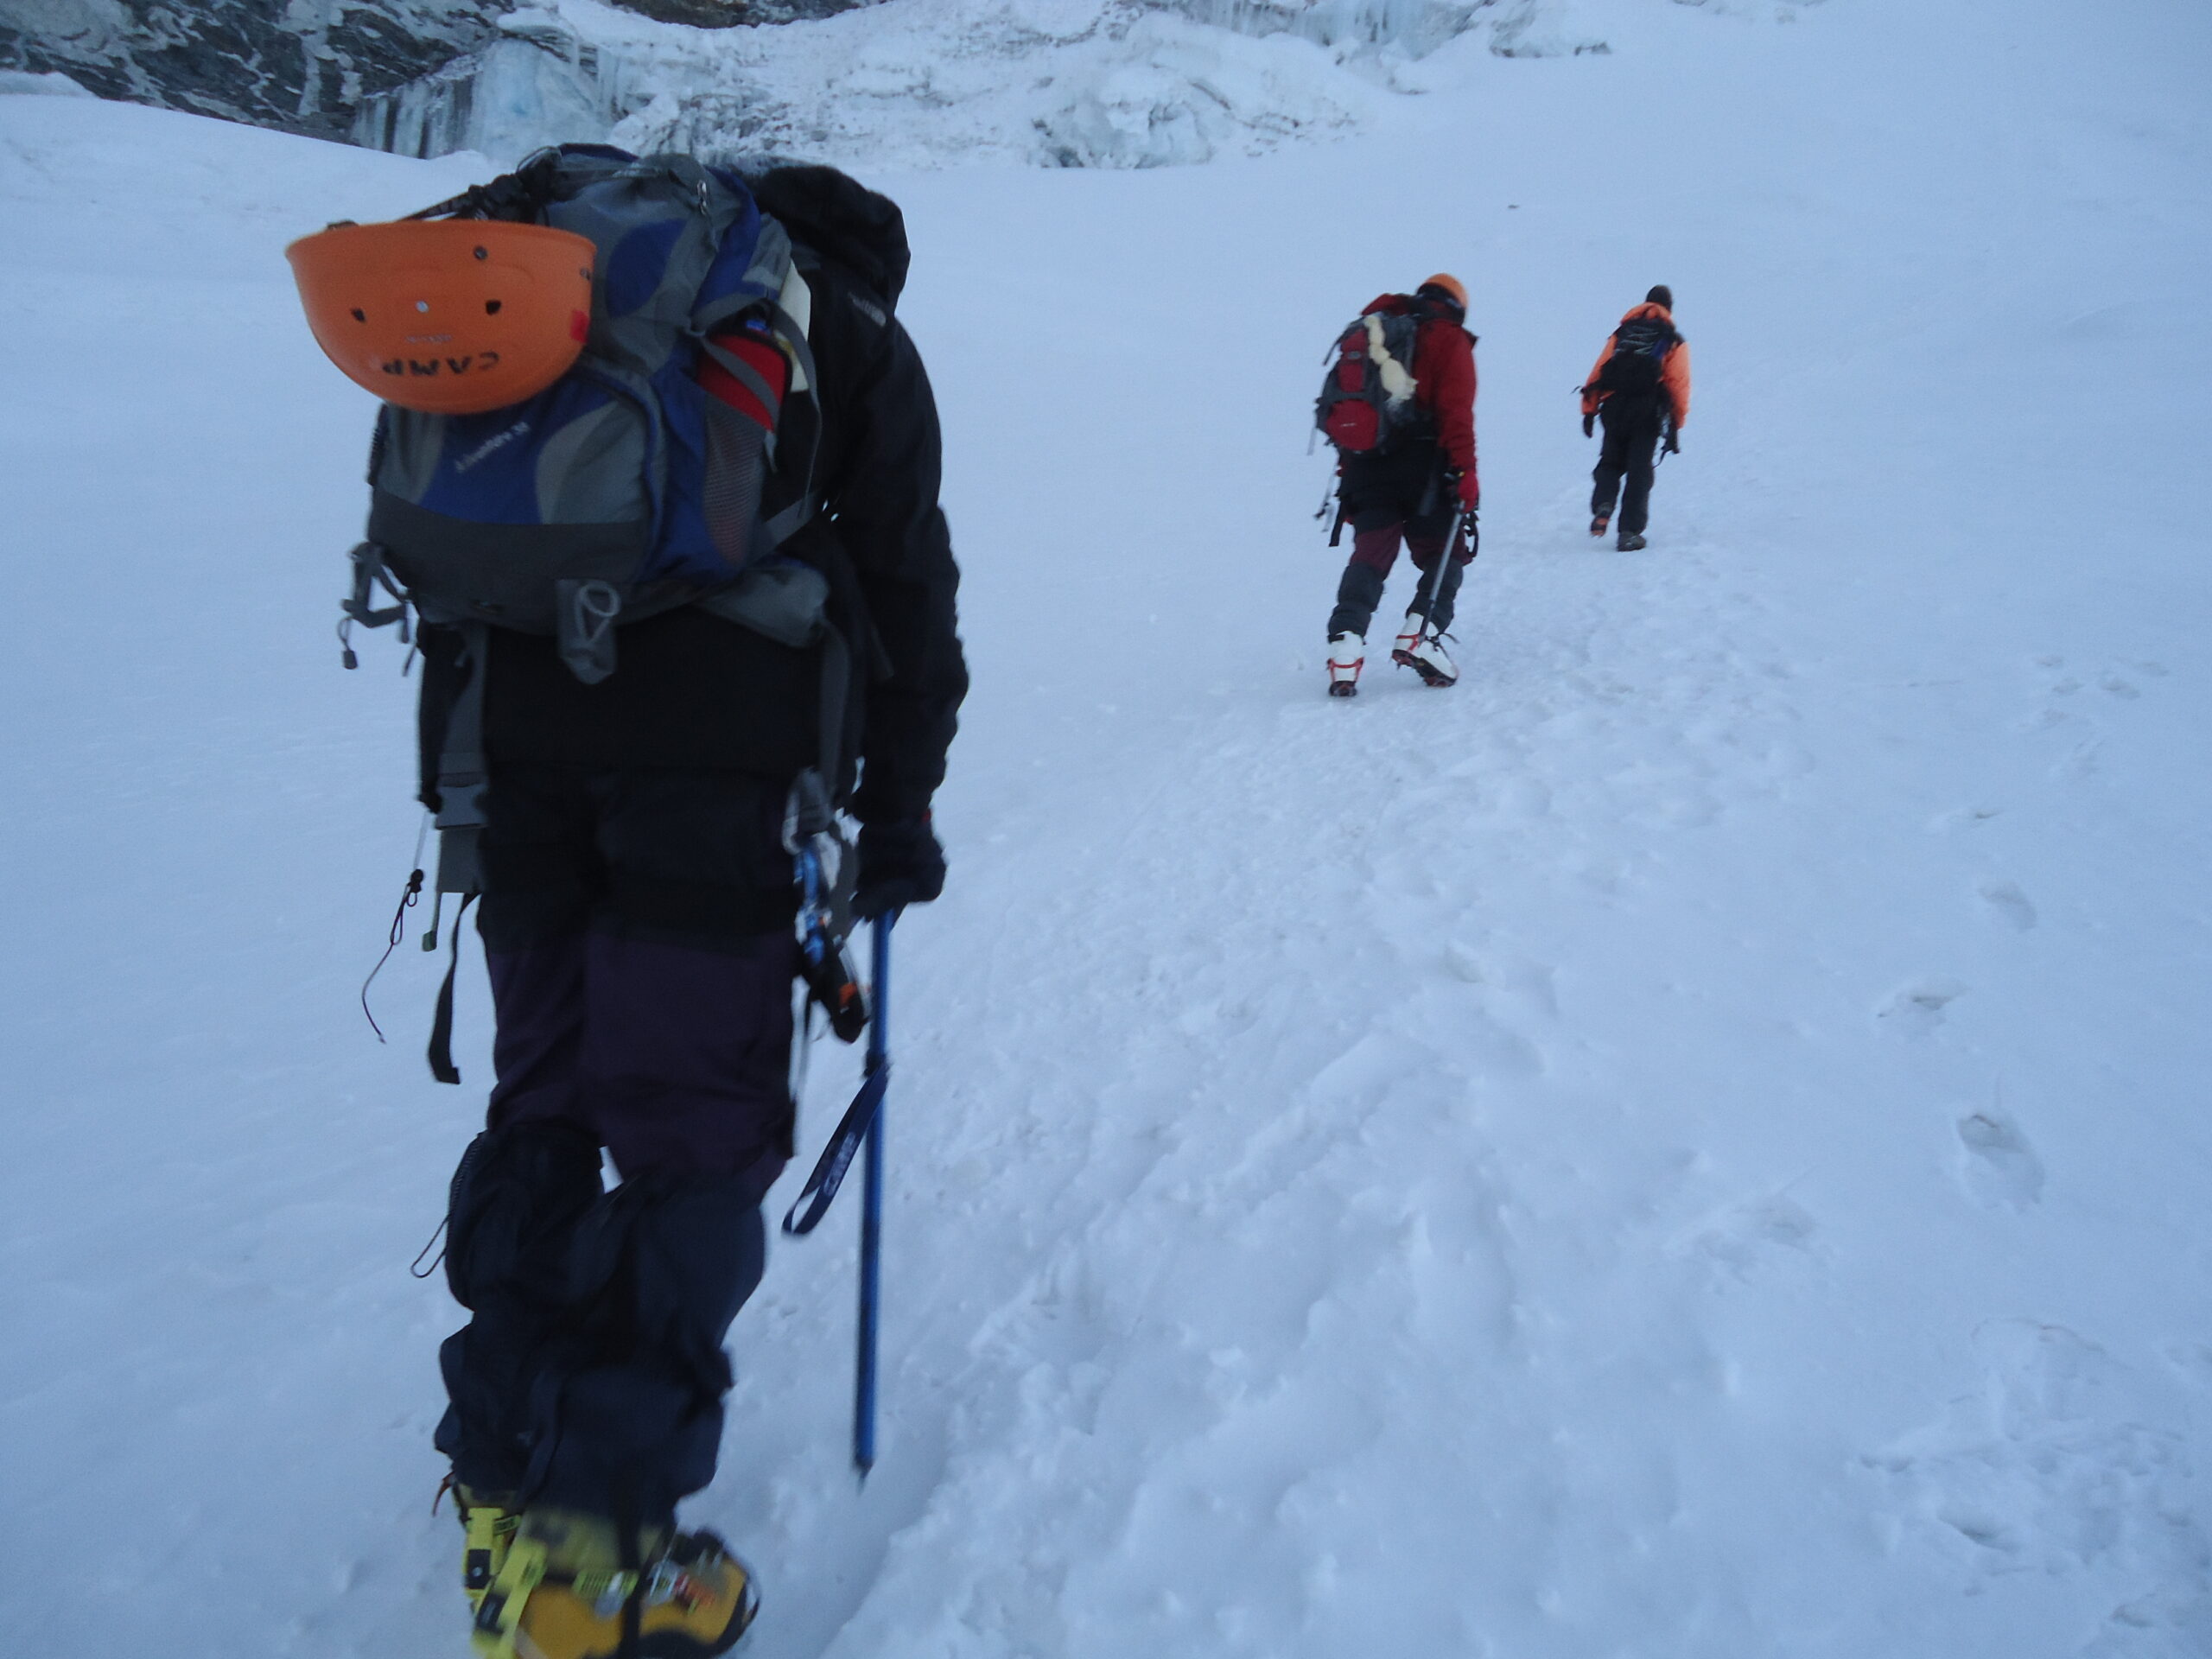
764	358
1353	424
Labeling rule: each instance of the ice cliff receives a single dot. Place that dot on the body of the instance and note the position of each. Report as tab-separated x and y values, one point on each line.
302	66
1077	83
882	83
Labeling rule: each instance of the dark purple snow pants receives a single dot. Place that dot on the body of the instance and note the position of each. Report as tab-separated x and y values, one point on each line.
636	925
1359	591
1399	495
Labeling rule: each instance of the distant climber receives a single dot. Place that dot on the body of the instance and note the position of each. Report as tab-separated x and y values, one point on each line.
1399	405
1640	388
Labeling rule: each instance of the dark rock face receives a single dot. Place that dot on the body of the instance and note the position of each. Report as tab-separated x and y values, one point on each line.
299	65
728	14
787	11
699	14
302	66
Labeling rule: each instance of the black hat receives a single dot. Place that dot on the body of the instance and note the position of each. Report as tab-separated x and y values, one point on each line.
1661	294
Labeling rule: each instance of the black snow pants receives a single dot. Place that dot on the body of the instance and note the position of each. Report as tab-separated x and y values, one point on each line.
1388	498
1631	437
637	928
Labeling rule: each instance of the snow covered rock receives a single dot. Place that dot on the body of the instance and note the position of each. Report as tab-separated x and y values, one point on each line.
299	65
23	84
306	65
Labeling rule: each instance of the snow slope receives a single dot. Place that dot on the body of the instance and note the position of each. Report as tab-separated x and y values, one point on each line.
1690	1144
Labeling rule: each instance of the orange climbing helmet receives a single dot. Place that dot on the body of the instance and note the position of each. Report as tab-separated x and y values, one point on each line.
1444	281
448	316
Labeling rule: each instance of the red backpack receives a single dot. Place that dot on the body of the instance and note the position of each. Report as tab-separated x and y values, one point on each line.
1367	396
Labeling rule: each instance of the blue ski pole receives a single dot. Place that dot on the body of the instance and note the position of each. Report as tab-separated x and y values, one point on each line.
878	1071
860	1132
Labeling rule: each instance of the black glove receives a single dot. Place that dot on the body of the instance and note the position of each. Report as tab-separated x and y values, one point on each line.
1588	423
1674	442
901	864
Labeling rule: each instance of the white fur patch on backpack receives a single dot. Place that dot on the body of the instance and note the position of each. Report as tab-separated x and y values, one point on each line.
1397	379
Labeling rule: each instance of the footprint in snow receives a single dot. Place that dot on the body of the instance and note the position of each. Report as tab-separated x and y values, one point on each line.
2009	905
1743	1240
1918	1009
2193	1361
2080	761
1966	817
1370	1069
1999	1168
1518	985
2057	1464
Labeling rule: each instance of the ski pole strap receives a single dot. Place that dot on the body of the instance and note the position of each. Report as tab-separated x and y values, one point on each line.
441	1051
821	1188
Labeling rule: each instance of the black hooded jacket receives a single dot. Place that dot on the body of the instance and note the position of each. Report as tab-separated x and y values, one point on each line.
695	691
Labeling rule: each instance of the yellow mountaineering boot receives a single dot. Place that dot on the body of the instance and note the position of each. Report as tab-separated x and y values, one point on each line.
561	1590
488	1521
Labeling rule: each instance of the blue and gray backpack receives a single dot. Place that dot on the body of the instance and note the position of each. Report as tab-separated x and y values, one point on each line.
625	489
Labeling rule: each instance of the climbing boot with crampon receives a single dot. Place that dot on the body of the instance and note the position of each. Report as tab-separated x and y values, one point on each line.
563	1593
1630	542
1427	657
1409	632
1347	652
1597	524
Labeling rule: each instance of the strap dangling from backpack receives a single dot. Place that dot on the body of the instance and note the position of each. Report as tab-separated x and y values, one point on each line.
462	781
440	1049
461	769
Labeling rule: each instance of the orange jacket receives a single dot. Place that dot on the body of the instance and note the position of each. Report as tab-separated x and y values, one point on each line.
1673	369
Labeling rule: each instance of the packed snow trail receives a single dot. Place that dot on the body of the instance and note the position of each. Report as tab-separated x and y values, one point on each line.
1687	1143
